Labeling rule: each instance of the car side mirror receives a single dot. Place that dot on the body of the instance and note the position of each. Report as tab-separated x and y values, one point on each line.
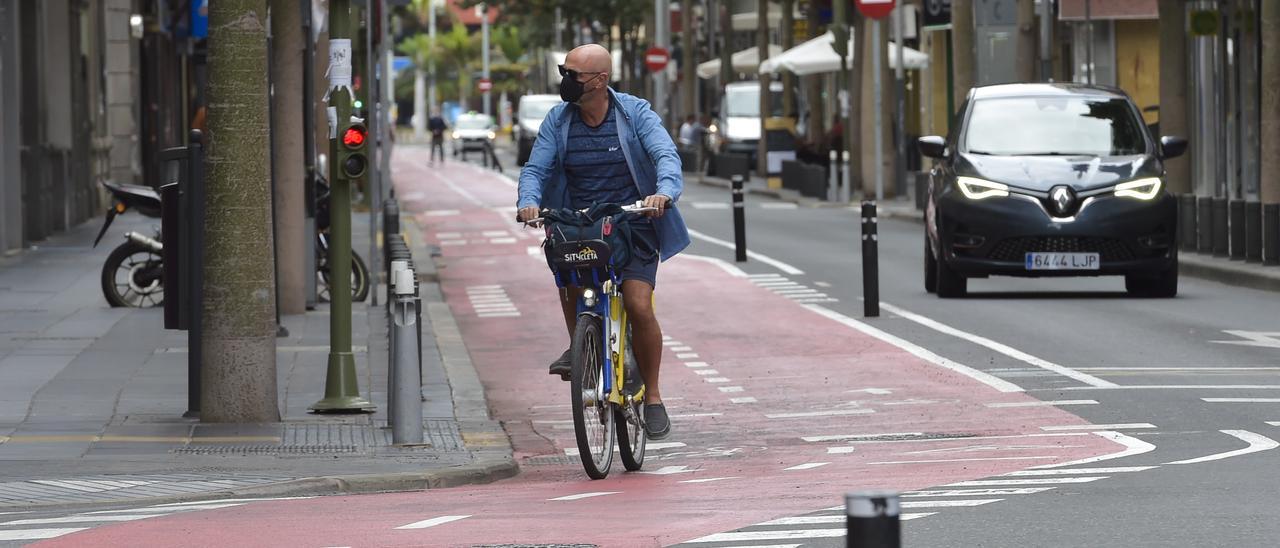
1172	147
932	146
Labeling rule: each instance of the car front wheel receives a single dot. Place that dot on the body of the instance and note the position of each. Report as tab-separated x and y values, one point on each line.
950	284
930	268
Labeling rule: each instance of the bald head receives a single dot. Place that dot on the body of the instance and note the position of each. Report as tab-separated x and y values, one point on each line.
589	58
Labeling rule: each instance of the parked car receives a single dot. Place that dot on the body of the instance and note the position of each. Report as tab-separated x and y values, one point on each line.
1050	180
473	132
529	115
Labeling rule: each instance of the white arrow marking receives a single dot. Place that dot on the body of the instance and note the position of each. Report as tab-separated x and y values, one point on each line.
1265	339
1133	446
1257	442
668	470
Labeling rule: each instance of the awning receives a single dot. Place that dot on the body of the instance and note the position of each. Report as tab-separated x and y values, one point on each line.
817	56
743	61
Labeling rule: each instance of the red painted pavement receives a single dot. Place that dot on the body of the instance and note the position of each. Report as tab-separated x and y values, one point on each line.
790	359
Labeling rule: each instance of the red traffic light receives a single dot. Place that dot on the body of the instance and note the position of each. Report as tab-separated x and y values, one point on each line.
354	137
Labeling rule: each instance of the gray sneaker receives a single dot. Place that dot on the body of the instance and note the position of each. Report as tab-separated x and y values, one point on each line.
562	366
656	423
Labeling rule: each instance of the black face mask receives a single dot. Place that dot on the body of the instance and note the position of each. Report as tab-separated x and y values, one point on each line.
571	89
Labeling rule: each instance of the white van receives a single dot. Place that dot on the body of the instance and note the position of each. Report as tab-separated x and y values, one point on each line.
529	115
737	127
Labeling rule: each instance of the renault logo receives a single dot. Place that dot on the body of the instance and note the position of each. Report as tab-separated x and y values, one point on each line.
1063	200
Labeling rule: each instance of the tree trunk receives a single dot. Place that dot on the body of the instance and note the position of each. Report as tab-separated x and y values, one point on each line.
287	45
853	128
868	125
420	111
239	371
762	50
813	85
963	50
1173	90
1269	102
787	42
688	61
1025	64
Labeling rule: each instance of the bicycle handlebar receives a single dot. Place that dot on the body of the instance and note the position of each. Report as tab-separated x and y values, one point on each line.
637	207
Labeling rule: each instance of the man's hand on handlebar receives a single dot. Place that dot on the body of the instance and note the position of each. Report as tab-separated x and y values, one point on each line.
528	213
660	202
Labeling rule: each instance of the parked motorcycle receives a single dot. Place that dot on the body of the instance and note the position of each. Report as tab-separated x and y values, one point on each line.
133	275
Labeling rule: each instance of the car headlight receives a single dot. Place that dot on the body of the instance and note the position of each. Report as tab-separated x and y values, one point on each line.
1142	189
492	135
978	189
454	134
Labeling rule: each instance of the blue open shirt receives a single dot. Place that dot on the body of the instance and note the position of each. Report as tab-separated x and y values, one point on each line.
650	153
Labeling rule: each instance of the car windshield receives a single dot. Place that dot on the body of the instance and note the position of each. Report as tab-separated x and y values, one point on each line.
473	122
536	110
1052	126
745	102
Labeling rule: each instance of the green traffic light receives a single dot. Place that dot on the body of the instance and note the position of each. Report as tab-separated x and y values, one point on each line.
357	104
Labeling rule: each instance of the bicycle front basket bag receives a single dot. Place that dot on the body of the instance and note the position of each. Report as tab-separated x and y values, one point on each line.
597	238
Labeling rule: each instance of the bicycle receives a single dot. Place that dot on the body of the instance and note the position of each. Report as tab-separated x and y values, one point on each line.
605	387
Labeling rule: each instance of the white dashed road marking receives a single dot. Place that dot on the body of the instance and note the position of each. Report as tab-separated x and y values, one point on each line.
432	522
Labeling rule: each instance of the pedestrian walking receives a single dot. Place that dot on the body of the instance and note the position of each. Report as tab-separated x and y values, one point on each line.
437	126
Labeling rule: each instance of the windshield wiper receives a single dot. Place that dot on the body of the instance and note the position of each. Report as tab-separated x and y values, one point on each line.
1055	153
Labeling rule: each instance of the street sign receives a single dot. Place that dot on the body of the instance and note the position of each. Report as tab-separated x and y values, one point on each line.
484	85
937	14
656	58
875	9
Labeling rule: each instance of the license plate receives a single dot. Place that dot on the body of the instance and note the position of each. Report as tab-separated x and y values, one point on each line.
1062	261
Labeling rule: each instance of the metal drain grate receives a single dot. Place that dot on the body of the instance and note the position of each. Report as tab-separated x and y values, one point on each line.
264	450
548	460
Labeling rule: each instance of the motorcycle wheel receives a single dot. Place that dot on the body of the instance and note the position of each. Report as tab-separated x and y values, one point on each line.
359	279
133	276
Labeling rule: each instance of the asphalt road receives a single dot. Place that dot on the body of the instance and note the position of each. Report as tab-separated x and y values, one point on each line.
1149	365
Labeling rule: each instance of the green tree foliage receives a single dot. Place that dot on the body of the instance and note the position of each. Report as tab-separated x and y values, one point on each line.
419	49
508	40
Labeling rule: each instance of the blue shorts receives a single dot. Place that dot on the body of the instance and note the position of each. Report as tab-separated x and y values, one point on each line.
643	265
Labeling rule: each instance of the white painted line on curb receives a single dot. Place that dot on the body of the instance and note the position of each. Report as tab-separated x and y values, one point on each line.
917	350
1241	400
1032	481
1041	403
1133	446
37	534
1257	442
580	496
976	459
742	536
829	413
998	347
807	466
764	259
1057	472
432	522
1126	426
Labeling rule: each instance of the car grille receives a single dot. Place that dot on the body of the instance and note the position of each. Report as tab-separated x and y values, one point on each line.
1016	249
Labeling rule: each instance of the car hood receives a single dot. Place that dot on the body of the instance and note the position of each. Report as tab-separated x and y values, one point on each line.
471	133
531	125
1083	172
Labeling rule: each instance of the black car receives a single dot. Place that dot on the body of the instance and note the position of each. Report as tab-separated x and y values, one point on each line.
1050	180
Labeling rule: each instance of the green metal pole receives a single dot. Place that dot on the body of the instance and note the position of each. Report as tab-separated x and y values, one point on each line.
341	389
360	70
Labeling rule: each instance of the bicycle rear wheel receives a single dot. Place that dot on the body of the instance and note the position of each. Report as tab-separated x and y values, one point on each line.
631	435
593	422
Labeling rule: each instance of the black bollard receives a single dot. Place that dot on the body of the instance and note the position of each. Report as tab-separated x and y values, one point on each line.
1235	216
1204	224
1253	232
739	221
870	262
871	519
1271	234
1219	216
1187	221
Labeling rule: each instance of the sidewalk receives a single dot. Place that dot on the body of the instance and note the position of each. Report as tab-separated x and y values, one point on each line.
91	398
1193	264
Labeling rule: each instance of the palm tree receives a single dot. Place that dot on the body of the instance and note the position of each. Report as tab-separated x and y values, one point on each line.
238	376
459	49
422	52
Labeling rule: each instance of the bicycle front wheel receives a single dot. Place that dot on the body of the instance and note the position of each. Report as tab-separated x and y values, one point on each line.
593	422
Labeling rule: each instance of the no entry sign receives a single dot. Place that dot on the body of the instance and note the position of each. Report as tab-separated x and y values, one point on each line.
875	9
484	85
656	58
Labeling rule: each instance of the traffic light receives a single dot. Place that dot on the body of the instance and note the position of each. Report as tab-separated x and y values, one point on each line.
353	159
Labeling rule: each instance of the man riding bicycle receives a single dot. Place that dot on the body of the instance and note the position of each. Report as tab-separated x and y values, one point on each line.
603	146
